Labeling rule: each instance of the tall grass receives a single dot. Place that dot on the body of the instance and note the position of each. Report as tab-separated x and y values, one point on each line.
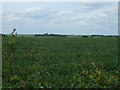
11	45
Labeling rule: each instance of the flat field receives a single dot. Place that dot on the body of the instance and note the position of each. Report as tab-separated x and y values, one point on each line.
59	62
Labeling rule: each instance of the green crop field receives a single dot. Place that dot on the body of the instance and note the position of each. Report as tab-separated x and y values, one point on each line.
61	62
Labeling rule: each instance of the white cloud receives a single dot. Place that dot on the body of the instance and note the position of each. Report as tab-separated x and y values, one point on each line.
32	10
12	18
64	12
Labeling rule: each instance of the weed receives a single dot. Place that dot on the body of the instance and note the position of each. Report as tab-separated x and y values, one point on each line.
11	54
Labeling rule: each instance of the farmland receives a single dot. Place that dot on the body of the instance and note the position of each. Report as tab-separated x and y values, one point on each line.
61	62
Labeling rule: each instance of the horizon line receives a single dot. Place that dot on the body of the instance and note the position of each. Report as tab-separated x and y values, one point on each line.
63	34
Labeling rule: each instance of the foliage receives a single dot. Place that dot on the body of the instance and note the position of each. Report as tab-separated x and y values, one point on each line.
95	78
59	62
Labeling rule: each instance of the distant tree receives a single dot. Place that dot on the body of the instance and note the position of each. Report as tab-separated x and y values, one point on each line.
85	36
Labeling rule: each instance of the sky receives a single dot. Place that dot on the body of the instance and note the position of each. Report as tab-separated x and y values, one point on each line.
78	18
59	0
0	17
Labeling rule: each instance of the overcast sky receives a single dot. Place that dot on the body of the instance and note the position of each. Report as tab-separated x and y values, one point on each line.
60	17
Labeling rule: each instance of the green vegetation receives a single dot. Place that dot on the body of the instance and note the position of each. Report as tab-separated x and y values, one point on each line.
59	62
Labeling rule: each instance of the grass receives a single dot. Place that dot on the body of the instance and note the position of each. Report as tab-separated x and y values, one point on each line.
0	62
72	62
